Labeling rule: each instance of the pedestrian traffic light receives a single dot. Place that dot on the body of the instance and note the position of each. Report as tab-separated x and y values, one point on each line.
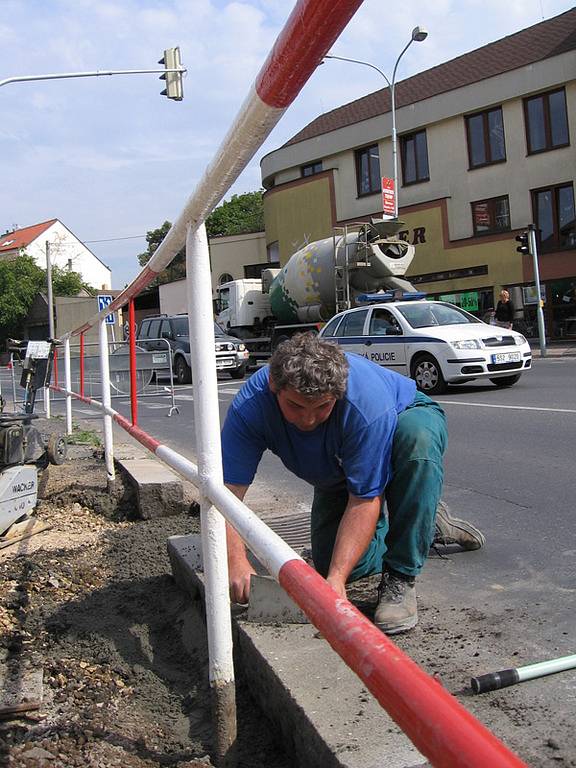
171	60
523	240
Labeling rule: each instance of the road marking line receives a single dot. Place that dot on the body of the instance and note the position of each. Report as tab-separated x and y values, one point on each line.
508	407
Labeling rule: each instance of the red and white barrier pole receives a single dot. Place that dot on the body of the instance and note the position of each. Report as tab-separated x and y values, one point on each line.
106	401
132	348
213	525
68	380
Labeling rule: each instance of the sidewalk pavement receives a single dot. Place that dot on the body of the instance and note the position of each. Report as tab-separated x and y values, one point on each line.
554	348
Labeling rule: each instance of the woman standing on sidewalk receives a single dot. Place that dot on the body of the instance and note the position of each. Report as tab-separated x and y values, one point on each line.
504	315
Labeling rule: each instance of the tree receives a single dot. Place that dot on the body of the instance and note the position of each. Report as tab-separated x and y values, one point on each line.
240	215
66	282
20	280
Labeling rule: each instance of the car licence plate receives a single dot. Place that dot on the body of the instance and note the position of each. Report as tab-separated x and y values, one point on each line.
506	357
224	362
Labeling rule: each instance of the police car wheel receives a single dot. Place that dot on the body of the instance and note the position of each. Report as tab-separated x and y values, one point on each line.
428	376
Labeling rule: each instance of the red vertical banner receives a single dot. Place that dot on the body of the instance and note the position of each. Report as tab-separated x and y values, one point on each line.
388	197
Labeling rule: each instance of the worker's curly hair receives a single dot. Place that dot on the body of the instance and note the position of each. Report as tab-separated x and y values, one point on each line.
309	365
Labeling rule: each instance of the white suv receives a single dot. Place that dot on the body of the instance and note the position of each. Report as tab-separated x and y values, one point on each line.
434	342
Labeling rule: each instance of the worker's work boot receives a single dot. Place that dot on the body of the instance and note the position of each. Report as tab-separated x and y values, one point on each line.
451	530
396	610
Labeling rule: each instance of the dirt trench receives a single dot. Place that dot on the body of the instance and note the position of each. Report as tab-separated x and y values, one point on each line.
91	603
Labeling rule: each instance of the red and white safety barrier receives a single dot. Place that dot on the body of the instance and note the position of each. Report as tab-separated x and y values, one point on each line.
437	724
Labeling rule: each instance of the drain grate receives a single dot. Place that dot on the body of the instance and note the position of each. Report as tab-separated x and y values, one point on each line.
295	530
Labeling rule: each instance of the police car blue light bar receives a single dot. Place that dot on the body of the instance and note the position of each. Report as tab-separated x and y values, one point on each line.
388	296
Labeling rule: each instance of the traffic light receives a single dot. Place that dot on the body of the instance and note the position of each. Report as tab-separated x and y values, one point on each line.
523	240
171	60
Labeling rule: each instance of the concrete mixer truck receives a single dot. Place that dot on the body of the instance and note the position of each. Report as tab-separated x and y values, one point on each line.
322	278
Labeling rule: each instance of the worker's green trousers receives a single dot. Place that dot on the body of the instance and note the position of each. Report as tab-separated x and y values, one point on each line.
405	529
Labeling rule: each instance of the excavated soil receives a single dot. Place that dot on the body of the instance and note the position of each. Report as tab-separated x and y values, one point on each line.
91	604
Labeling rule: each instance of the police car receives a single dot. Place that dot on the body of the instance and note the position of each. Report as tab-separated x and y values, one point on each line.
434	342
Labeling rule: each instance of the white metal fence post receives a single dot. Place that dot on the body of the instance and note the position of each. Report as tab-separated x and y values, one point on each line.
68	380
207	421
47	401
106	402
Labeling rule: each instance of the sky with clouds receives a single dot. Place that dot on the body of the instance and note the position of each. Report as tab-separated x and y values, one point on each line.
112	159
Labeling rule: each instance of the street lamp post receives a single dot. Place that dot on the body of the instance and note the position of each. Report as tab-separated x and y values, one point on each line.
418	35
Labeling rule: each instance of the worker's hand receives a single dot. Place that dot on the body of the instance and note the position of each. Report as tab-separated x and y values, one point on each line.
239	578
337	585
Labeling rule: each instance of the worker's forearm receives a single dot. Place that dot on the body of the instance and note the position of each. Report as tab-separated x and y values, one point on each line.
235	545
355	532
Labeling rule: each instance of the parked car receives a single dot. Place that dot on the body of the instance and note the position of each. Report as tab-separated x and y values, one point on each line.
434	342
231	353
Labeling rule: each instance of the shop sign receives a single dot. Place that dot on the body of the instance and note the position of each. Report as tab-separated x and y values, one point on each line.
469	301
388	197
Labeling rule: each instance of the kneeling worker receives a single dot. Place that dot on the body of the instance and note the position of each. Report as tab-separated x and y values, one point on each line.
366	440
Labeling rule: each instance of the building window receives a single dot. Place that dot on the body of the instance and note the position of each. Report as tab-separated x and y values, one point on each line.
546	121
225	277
485	132
491	216
553	210
414	152
368	170
273	252
311	168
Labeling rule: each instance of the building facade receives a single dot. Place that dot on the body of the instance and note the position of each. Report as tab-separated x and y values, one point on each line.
485	146
66	251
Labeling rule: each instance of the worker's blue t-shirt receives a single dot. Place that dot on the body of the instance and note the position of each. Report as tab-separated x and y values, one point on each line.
352	449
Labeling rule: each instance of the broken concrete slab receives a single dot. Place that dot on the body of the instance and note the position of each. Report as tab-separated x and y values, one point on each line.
158	490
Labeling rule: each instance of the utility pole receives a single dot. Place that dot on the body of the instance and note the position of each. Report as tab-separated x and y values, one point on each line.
533	248
52	333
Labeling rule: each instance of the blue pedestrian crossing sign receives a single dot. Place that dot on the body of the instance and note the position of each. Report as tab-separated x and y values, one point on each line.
104	300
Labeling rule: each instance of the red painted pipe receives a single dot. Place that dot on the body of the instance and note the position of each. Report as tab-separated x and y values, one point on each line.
307	36
82	364
132	345
436	723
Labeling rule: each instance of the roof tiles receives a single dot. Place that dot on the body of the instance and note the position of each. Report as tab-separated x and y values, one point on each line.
541	41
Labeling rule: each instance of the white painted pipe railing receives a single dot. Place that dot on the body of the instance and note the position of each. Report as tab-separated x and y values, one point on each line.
68	381
106	401
213	525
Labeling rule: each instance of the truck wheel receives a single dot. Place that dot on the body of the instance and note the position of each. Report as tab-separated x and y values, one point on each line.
239	373
57	449
427	374
278	340
182	371
506	381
